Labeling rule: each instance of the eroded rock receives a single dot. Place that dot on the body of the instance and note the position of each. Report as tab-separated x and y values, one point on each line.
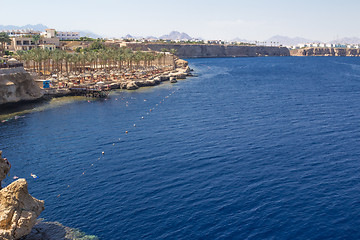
131	86
18	209
4	168
17	85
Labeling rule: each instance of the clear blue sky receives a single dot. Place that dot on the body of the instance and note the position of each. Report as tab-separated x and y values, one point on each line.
221	19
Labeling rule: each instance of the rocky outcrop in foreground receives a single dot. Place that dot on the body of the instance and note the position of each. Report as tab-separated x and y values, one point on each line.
327	52
18	209
17	85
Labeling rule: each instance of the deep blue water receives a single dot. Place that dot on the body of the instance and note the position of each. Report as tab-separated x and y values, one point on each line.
254	148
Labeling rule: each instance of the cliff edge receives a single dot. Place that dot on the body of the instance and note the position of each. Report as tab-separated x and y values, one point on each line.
214	51
17	85
328	52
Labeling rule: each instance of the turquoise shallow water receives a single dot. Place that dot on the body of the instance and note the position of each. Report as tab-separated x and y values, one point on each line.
253	148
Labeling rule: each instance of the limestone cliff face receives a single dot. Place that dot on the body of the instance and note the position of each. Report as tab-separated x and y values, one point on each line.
334	52
213	51
17	85
18	209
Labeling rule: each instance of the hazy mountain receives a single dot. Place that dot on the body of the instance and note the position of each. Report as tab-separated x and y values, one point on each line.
174	35
287	41
347	40
129	36
240	40
37	27
87	34
151	37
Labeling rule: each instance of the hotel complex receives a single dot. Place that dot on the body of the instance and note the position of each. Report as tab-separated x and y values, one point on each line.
50	39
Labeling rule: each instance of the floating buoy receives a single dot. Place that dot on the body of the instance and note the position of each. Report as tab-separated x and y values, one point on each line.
150	110
134	125
142	117
103	152
126	132
113	144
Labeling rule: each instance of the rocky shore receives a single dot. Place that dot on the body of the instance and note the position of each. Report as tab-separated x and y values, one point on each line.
326	52
17	85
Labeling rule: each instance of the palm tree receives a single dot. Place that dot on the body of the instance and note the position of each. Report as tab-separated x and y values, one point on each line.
4	39
36	39
173	51
164	50
67	58
20	55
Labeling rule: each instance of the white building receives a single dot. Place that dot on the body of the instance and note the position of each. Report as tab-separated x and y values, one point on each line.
68	35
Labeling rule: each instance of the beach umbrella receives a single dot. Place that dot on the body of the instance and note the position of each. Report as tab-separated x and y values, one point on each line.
12	60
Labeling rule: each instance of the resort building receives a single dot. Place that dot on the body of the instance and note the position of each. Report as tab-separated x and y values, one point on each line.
23	40
68	35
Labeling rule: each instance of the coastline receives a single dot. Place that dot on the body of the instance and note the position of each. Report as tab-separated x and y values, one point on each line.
99	81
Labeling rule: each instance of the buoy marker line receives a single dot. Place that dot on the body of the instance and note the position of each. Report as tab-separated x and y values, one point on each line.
103	153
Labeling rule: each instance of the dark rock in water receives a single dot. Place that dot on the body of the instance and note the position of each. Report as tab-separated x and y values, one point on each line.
56	231
4	168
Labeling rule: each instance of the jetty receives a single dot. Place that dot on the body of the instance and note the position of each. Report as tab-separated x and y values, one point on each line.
90	91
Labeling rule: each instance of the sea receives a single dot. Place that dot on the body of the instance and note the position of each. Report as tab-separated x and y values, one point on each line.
252	148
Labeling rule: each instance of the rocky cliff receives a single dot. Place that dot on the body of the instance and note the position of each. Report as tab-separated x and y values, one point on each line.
334	52
213	51
17	85
18	209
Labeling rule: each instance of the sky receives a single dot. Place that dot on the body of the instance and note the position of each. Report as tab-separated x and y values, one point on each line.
322	20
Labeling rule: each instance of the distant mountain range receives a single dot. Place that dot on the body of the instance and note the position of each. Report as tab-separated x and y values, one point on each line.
347	40
240	40
174	35
41	28
37	27
287	41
